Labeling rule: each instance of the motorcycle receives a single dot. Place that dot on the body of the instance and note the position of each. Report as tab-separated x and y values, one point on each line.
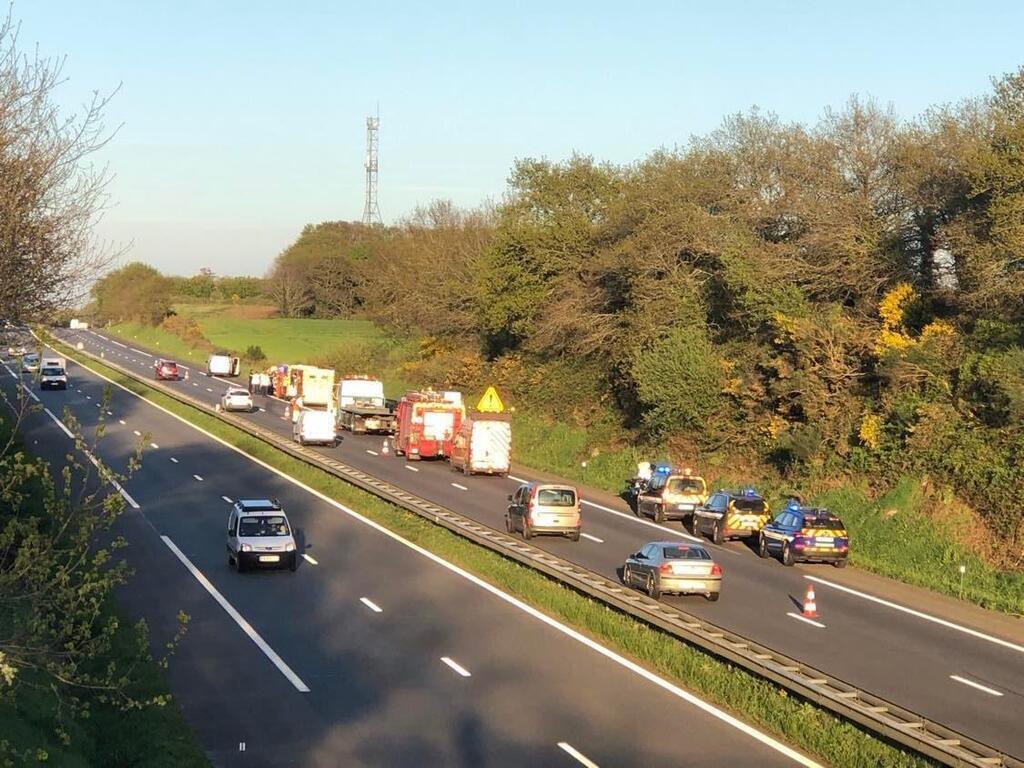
634	487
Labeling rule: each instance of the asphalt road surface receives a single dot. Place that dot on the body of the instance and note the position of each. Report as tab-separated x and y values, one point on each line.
372	653
968	676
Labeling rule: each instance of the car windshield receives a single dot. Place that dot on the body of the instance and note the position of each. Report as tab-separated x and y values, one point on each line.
52	372
685	552
556	497
263	525
685	485
169	365
237	393
750	505
31	358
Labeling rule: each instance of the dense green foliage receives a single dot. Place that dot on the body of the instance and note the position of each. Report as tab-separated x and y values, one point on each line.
136	291
814	301
206	286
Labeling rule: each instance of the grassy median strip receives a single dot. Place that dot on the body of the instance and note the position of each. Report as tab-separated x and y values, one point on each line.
803	725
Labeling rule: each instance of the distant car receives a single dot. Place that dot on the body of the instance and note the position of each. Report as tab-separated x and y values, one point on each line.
30	363
544	508
673	567
805	534
166	370
259	536
236	399
731	515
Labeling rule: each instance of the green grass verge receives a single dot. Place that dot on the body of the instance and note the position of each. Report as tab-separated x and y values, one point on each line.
158	339
895	538
813	730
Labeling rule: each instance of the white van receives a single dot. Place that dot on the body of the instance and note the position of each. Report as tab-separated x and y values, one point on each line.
222	364
316	427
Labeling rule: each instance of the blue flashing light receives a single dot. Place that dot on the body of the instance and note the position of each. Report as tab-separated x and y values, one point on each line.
749	492
663	468
793	506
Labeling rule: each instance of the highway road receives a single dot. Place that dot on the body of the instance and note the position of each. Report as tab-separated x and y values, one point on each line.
374	652
967	675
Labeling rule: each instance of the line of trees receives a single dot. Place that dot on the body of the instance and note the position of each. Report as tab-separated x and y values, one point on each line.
843	296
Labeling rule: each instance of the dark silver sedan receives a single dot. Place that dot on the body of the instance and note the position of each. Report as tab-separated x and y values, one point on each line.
673	567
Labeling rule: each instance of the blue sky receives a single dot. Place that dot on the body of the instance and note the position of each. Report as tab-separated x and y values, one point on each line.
242	121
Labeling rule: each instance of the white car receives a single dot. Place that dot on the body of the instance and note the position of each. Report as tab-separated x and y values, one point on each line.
237	399
259	536
30	363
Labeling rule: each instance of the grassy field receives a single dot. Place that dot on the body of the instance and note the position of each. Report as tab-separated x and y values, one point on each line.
831	740
909	545
283	340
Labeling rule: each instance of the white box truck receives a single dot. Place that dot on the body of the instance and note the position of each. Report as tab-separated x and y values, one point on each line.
483	445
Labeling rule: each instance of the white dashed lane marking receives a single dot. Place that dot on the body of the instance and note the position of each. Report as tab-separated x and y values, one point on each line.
460	487
370	604
456	666
227	499
198	477
309	559
577	755
978	686
592	538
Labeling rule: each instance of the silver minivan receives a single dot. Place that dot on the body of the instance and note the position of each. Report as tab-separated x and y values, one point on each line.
544	508
259	535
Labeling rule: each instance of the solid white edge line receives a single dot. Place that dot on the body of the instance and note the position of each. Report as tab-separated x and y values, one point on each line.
30	393
973	684
239	620
579	756
59	423
592	538
371	605
133	349
812	622
918	614
309	559
558	626
456	666
460	487
119	343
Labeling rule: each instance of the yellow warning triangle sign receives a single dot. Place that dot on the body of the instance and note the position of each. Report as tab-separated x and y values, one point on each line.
490	402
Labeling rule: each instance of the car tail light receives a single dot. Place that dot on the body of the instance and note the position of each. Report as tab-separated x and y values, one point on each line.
716	570
665	568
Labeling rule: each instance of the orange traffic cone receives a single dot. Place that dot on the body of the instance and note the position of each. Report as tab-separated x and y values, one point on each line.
810	608
384	449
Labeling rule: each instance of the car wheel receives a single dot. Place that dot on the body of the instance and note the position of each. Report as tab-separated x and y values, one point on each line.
762	546
653	591
294	563
240	564
627	575
659	514
713	596
840	563
575	536
527	531
787	555
231	561
716	533
508	524
695	525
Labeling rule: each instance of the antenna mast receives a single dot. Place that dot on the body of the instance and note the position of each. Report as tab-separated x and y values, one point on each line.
371	212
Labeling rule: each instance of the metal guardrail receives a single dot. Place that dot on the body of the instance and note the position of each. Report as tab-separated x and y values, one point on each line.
874	713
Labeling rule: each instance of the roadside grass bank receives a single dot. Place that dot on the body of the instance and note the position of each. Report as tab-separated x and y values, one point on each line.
892	535
756	701
32	732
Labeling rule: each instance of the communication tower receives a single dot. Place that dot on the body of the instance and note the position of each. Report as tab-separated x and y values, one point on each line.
371	212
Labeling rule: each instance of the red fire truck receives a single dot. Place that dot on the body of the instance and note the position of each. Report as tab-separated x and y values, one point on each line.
427	423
